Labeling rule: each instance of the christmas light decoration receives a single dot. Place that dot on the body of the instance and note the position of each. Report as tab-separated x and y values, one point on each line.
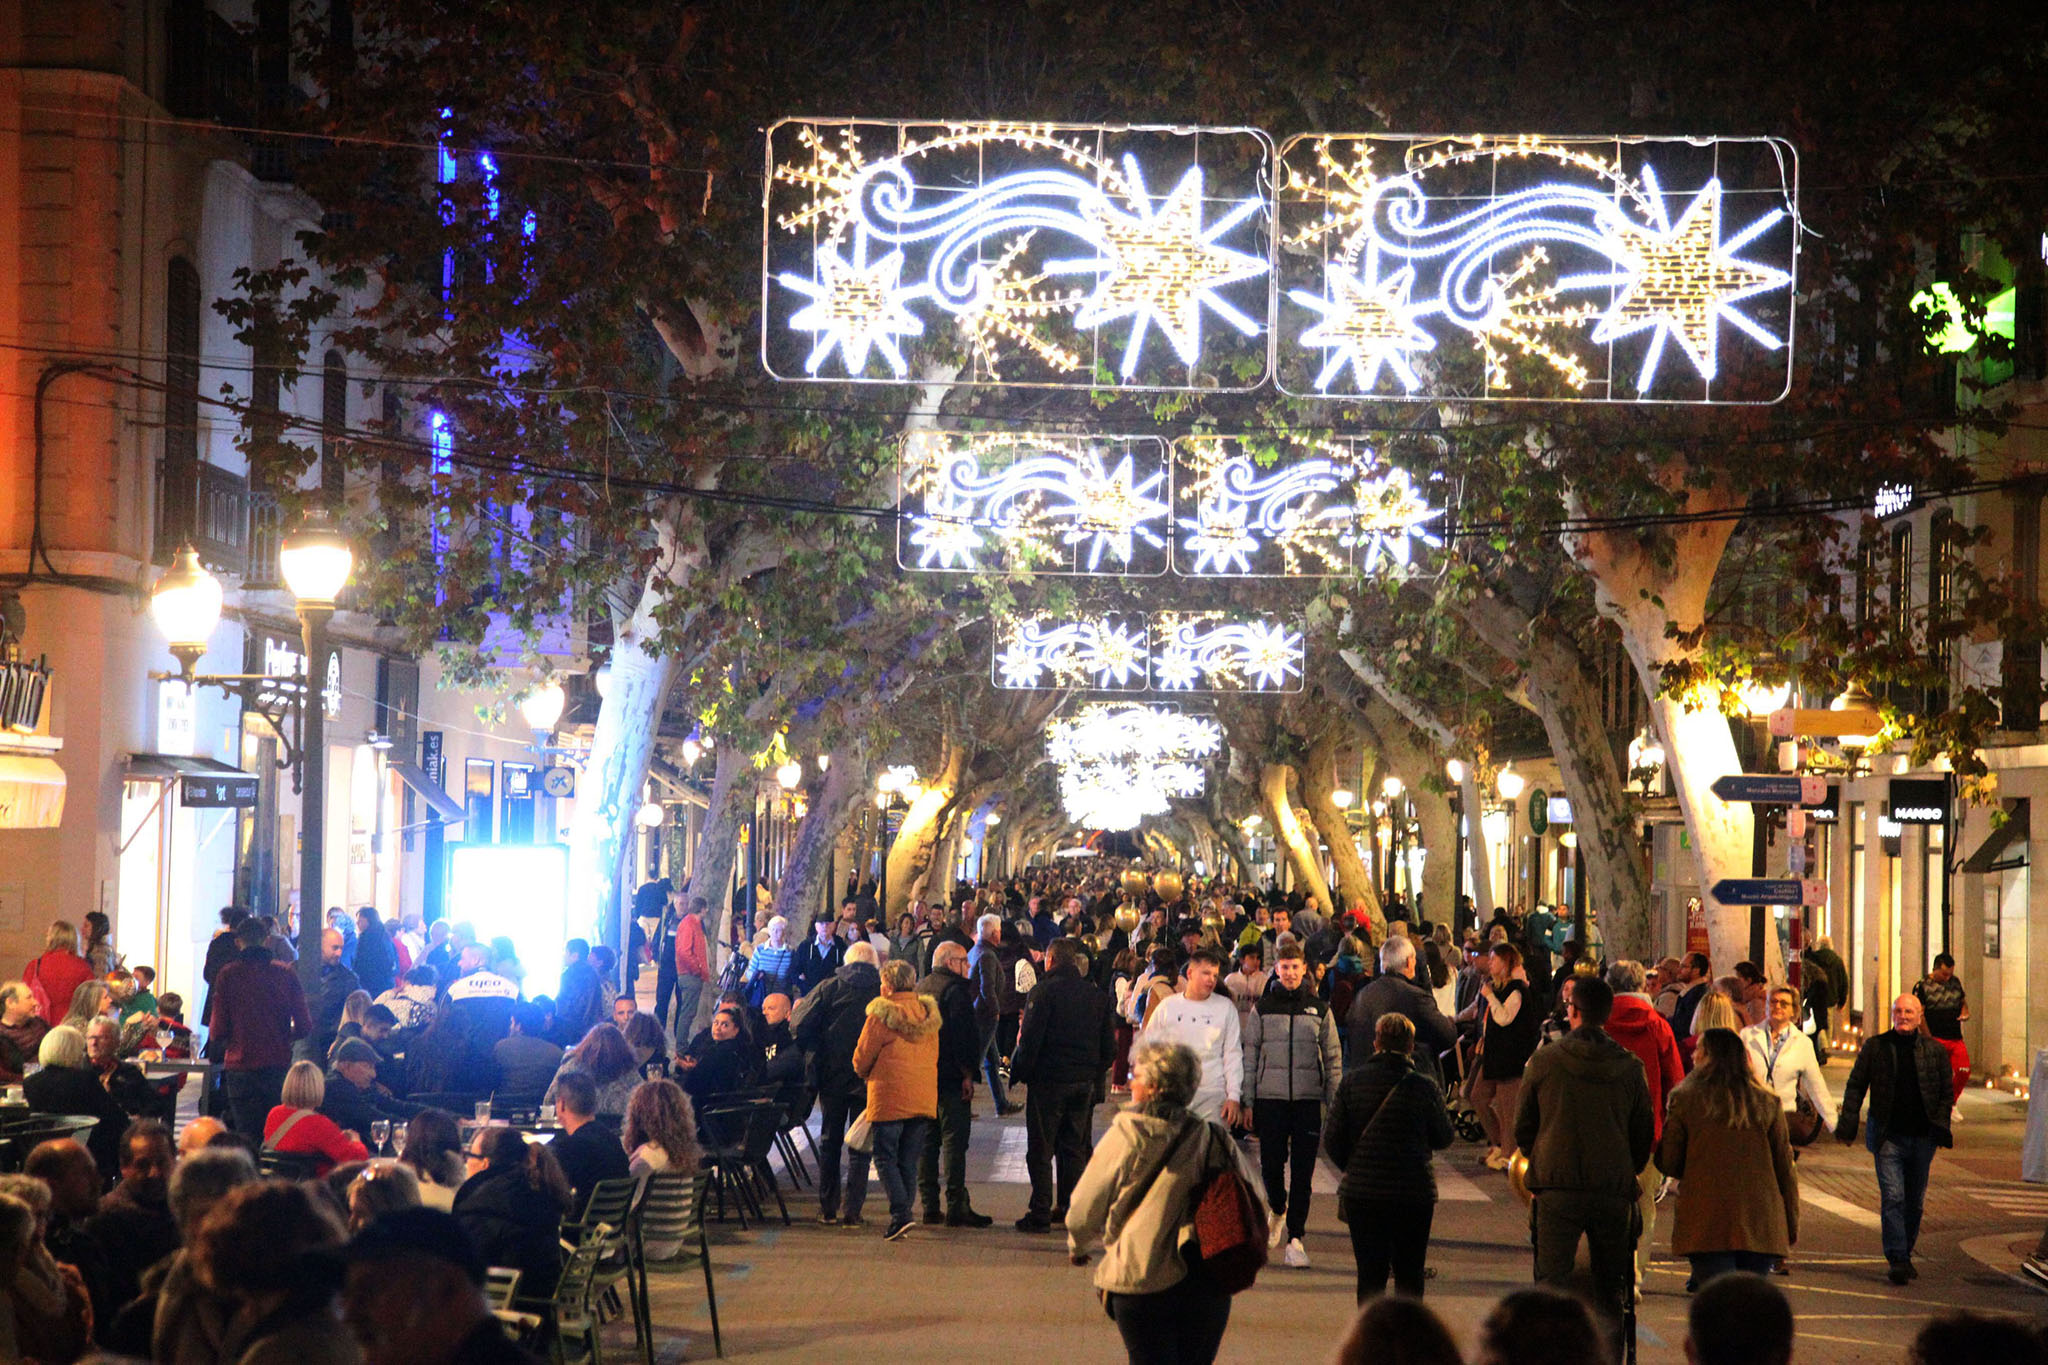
1293	506
1210	652
1108	653
1120	762
1052	504
1565	252
1043	245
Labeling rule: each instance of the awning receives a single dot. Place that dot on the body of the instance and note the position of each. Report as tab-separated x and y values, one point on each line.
165	767
31	792
1990	855
445	807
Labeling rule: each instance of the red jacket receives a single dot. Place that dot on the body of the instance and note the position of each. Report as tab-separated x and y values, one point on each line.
53	977
692	958
313	1135
259	1010
1637	1026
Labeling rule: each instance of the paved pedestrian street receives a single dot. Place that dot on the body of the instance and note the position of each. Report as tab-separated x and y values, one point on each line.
807	1292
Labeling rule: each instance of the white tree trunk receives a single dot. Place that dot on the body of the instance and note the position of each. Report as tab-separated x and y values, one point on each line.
910	853
1297	841
809	867
620	750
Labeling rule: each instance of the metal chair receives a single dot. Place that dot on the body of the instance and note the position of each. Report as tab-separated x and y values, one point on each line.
569	1311
671	1214
501	1291
724	1128
611	1205
288	1165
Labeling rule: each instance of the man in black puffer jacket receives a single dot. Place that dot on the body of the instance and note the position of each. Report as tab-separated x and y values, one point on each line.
1395	991
1064	1046
828	1025
959	1060
1387	1119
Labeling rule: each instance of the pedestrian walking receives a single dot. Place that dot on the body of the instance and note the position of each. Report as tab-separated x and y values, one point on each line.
1293	1065
1583	1117
1509	1024
1905	1073
994	988
1137	1198
259	1011
1637	1026
1205	1021
828	1027
959	1061
1725	1142
1387	1118
1065	1045
1946	1005
897	1054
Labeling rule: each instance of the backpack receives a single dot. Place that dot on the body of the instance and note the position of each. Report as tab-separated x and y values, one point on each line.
1231	1227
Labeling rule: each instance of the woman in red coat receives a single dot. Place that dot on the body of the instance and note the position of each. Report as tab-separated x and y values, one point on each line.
296	1127
58	972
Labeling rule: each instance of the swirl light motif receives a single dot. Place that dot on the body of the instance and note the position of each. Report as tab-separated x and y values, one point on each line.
1467	249
1005	501
1305	509
1036	267
1106	653
1209	652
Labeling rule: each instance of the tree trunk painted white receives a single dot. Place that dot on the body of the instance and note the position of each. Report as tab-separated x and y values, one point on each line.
616	771
1355	889
1299	844
910	853
808	867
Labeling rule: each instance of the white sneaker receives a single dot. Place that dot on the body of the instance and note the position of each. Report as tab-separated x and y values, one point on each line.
1297	1254
1278	1235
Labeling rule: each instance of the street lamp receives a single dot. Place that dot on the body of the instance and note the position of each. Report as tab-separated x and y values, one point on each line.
1392	787
692	751
789	775
542	707
186	605
1455	770
649	816
1342	798
1510	785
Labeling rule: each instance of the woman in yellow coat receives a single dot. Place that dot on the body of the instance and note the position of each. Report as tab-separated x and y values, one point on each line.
898	1056
1725	1143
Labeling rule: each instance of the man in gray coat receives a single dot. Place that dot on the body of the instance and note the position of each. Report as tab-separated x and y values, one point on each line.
1292	1067
1395	991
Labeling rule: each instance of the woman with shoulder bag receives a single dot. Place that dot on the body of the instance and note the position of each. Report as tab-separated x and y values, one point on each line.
1139	1196
1386	1120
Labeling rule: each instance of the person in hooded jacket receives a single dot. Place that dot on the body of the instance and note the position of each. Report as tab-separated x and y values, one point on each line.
1386	1120
1637	1026
1064	1046
1583	1118
828	1027
897	1054
1293	1065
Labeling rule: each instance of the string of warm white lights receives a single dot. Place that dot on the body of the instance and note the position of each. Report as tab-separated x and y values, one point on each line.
1171	652
1120	762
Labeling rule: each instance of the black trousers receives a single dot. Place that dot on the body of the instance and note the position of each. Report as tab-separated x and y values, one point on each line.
956	1122
834	1113
665	985
1390	1237
1181	1325
1289	1133
1056	1115
251	1095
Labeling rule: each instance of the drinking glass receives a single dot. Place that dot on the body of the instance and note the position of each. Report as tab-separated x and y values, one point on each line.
547	1113
163	1040
380	1132
483	1111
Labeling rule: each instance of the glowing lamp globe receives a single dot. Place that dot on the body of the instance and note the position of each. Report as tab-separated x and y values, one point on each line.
1168	885
1342	798
649	816
1455	770
1510	784
1127	917
602	681
1392	787
542	705
692	751
186	606
1133	882
789	774
316	561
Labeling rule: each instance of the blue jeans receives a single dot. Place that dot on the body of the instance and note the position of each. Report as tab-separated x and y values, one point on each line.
1902	1164
992	1061
1708	1264
899	1147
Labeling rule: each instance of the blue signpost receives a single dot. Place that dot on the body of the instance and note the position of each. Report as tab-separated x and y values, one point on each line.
1763	789
1769	891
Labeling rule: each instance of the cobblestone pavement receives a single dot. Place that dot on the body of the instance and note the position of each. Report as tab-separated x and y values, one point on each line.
806	1293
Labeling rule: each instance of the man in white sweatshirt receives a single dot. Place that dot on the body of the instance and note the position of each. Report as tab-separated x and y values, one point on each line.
1204	1020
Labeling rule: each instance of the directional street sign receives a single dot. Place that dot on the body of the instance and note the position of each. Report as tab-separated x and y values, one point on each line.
1769	891
1769	790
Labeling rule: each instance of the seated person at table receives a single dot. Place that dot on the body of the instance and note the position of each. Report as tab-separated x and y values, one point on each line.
134	1227
124	1080
587	1150
649	1043
143	999
527	1060
67	1084
513	1204
354	1100
721	1059
21	1029
296	1127
604	1057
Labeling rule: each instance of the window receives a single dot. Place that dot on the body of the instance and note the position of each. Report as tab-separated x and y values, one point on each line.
178	501
479	784
1941	563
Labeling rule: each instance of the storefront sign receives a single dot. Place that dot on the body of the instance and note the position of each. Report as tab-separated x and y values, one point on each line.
22	689
1919	800
177	718
432	759
217	792
1539	812
283	660
1696	940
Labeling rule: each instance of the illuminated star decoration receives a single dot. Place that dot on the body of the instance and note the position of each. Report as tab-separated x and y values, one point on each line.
855	306
1209	652
1681	280
1118	508
1366	323
1161	266
1119	762
1100	652
1392	516
1032	496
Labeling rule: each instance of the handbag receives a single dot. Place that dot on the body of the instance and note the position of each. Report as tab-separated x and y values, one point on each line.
1230	1226
860	1134
1802	1125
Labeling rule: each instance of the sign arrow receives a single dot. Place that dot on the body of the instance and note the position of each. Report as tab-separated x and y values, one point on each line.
1769	891
1763	789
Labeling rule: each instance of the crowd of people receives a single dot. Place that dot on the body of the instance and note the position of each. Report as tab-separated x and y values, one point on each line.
379	1079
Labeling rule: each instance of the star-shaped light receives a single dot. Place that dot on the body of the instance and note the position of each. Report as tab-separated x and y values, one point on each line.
1366	323
1682	279
947	542
1161	265
1115	507
1269	653
1220	539
1391	516
1020	665
856	306
1176	670
1117	652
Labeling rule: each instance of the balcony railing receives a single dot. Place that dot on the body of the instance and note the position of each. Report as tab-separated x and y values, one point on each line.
207	505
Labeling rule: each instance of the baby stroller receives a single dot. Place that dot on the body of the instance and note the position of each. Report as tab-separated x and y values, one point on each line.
1464	1118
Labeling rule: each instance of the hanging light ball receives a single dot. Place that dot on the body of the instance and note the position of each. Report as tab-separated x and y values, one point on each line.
1133	882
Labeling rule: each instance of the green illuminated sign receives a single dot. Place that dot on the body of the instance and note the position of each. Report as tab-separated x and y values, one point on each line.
1956	336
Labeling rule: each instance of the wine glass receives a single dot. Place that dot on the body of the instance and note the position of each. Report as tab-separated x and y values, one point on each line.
163	1040
380	1132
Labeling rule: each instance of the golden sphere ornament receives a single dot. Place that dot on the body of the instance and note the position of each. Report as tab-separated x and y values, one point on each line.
1127	917
1168	885
1133	882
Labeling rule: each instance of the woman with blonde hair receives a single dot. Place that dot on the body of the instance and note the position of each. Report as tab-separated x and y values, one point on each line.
1725	1142
296	1127
68	1084
59	970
